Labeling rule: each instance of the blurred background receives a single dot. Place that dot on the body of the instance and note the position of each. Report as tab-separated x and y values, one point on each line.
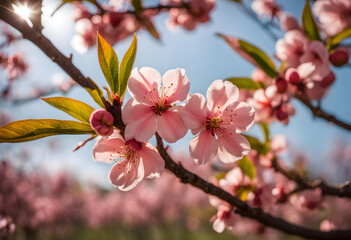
162	207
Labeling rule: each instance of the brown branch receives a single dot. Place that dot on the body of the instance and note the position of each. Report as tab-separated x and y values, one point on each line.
318	112
242	208
44	44
342	190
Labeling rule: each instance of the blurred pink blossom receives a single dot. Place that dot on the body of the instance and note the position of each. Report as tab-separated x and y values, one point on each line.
334	15
264	8
288	21
197	12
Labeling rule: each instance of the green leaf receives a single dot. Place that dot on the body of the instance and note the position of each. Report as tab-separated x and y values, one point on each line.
76	109
260	57
252	54
32	129
309	23
150	27
96	94
138	6
257	145
265	130
334	41
247	167
126	66
244	83
108	62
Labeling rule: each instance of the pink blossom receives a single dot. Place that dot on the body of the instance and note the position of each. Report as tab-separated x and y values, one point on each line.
317	54
279	144
288	22
113	26
265	8
14	65
315	90
258	75
198	12
270	104
102	122
339	57
310	199
80	11
291	48
334	15
152	106
327	225
138	160
223	219
222	117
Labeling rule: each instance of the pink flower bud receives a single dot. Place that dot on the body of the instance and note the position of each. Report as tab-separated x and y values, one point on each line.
115	18
339	57
282	84
328	80
292	76
288	22
281	114
102	122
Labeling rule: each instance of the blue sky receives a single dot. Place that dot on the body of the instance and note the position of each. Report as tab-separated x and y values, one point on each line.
203	55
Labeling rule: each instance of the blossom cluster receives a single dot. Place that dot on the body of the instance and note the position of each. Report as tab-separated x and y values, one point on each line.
34	202
155	107
116	23
306	64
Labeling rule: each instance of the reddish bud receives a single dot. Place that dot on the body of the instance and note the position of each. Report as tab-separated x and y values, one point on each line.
328	80
339	57
281	114
292	76
282	84
115	18
102	122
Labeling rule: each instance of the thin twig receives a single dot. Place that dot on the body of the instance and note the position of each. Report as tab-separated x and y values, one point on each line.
318	112
242	208
342	190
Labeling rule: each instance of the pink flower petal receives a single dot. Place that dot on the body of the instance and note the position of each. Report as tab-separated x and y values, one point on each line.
218	225
140	121
203	147
144	85
106	149
242	116
171	126
126	174
153	162
232	147
176	85
195	111
220	94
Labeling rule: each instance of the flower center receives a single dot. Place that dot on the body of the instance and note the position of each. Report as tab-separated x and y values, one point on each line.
160	108
212	124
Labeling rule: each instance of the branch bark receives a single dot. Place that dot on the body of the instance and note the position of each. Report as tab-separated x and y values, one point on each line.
318	112
242	208
184	175
44	44
342	190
